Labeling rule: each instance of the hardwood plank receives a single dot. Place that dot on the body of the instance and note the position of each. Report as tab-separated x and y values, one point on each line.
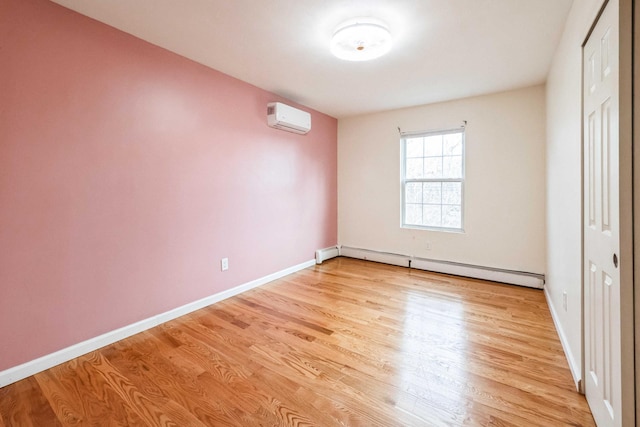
78	396
22	404
161	378
346	343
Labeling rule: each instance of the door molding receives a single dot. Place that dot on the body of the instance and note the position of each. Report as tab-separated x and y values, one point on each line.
635	118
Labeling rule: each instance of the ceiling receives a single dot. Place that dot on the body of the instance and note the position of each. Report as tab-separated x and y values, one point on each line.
443	49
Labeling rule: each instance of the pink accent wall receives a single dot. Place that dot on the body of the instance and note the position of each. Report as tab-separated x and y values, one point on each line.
127	172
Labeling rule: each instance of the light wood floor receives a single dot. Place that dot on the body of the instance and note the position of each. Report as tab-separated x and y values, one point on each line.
347	343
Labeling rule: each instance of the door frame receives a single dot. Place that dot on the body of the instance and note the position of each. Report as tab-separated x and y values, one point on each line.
634	89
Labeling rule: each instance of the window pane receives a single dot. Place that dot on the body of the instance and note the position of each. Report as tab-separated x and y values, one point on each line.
432	167
451	217
415	168
432	215
413	214
433	145
415	147
432	192
413	192
434	164
452	193
452	144
452	167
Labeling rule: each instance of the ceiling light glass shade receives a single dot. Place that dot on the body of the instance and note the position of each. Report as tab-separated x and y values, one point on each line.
361	40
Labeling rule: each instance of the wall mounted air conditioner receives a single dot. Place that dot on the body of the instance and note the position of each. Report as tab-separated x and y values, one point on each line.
282	116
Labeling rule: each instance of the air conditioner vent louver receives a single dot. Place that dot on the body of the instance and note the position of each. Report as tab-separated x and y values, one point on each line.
284	117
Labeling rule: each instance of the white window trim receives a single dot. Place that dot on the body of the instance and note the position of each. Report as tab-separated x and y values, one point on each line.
404	181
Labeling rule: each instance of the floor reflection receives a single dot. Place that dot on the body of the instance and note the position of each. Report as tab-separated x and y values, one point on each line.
434	342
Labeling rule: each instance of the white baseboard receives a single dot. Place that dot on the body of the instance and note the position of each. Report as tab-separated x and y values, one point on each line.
531	280
574	366
376	256
327	253
40	364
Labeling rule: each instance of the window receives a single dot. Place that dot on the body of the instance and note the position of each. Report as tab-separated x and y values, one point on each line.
433	180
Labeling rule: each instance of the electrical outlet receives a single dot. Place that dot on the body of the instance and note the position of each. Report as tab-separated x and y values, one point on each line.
428	246
564	301
224	264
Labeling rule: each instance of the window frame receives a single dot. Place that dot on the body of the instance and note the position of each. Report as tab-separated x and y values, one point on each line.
403	180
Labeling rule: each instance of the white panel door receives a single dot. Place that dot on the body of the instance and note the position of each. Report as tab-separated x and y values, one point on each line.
601	221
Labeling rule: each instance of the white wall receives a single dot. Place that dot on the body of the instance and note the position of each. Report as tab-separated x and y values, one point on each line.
504	189
564	180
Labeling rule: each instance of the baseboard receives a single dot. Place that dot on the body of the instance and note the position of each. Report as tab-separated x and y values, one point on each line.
327	253
574	366
520	278
27	369
376	256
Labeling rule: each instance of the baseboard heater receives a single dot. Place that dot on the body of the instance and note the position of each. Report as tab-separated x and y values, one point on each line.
521	278
327	253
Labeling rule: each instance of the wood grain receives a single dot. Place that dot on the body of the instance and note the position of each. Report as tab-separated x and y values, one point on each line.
347	343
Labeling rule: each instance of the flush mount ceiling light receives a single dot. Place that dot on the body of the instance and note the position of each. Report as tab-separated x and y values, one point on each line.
361	39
